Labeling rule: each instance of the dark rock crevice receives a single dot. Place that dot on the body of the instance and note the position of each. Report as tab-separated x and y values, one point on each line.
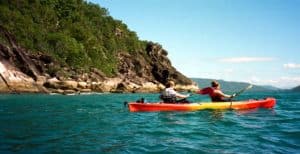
18	56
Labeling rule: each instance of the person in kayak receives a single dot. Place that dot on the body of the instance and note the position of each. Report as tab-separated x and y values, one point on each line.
215	93
169	95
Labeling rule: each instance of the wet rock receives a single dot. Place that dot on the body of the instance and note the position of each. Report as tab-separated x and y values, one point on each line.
58	91
67	92
85	90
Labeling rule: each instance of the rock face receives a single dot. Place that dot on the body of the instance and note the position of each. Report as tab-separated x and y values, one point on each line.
146	71
17	71
155	66
15	81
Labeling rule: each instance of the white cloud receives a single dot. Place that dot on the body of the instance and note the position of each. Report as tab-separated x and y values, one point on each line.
281	82
255	80
291	79
291	66
273	81
246	59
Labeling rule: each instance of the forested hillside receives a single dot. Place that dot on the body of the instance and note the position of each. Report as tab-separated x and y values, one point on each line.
77	33
78	42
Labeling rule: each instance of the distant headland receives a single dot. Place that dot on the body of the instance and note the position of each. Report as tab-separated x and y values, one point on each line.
296	89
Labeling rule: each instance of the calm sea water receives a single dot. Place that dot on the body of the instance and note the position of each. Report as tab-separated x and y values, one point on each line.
35	123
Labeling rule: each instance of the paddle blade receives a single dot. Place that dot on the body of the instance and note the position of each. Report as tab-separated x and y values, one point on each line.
250	86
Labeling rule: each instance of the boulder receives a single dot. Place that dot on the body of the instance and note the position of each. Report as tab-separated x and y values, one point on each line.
127	87
53	83
110	84
41	80
69	84
82	85
149	87
12	80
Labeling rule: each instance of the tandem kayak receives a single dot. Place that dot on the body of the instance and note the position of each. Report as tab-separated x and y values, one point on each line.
236	105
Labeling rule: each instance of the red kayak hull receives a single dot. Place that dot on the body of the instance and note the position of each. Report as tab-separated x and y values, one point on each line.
236	105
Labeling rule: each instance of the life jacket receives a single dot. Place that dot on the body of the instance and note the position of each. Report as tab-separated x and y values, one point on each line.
167	97
215	97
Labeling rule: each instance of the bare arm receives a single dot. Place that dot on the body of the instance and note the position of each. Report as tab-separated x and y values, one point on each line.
181	95
178	95
223	95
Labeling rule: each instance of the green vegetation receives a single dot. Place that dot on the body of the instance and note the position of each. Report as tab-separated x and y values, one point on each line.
77	33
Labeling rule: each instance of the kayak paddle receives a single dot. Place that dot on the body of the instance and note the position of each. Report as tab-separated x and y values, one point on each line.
241	91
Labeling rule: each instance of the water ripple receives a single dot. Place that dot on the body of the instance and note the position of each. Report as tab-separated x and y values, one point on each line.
101	124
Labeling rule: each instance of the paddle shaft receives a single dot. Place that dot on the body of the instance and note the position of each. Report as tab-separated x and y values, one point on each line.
241	91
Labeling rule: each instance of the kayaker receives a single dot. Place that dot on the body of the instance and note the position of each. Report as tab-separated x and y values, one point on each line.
215	93
169	95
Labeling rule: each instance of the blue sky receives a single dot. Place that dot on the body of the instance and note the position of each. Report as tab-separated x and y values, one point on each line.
255	41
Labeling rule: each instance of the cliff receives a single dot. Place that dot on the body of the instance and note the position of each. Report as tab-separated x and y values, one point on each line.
24	71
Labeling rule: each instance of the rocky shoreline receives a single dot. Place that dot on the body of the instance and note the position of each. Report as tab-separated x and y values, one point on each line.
18	82
14	81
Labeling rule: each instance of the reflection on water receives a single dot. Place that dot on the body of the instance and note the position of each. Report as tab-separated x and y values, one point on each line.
216	114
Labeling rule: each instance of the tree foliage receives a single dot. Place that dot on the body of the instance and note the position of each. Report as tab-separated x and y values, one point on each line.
77	33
